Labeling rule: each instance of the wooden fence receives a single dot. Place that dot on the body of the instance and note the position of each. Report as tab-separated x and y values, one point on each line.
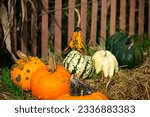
105	19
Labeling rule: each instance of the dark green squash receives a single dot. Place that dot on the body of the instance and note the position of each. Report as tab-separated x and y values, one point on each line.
128	56
117	38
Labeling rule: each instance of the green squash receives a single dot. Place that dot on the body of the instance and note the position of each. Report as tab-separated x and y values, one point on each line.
117	38
82	66
128	56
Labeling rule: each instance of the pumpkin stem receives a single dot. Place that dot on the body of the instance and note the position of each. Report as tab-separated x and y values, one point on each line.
21	55
79	19
51	62
105	53
131	45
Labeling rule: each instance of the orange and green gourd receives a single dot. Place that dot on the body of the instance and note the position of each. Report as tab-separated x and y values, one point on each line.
23	69
76	42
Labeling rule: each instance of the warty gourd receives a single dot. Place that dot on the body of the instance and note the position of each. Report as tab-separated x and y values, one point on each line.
105	62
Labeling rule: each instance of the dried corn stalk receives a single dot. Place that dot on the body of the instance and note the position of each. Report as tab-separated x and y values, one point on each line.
6	28
5	25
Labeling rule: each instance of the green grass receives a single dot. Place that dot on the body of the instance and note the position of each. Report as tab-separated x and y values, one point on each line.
143	42
9	90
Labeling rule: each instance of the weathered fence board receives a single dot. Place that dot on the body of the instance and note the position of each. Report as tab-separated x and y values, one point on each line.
122	15
83	18
112	16
103	19
132	17
71	18
58	25
141	17
94	22
44	29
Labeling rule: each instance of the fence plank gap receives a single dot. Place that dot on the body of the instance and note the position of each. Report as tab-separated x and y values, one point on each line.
132	17
103	19
141	17
122	15
83	18
33	31
71	18
94	22
58	25
44	29
112	16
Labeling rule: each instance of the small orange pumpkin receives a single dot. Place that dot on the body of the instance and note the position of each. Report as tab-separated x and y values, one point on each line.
23	69
82	91
50	82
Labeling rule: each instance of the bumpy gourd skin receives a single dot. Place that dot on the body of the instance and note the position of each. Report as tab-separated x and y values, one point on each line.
23	69
105	62
76	43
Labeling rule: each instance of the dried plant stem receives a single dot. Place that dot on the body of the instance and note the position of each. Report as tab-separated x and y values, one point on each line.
6	28
5	25
79	18
51	62
21	55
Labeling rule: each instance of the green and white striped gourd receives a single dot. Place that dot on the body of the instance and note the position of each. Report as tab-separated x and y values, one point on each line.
82	66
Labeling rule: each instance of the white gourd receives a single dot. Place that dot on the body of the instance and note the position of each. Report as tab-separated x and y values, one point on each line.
105	62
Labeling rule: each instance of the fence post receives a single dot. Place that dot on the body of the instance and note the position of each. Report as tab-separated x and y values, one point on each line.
83	18
141	17
132	17
103	19
44	28
122	14
94	22
71	18
112	16
58	17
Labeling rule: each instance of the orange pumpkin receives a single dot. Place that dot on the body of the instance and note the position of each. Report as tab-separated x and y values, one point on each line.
93	96
50	82
23	69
